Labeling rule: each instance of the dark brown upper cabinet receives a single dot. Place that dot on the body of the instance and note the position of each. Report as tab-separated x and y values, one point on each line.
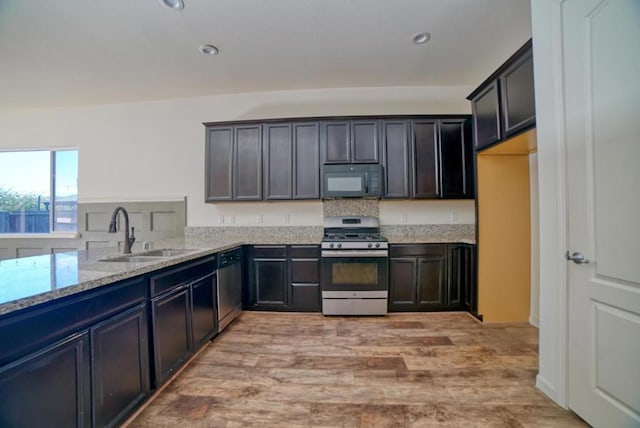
442	162
517	95
504	104
234	163
291	161
424	165
422	156
485	109
456	159
219	164
247	171
353	141
336	142
396	157
278	161
306	154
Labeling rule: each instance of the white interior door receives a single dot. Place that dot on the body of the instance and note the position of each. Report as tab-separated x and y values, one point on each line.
601	51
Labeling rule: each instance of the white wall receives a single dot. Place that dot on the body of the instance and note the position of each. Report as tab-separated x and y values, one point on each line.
155	150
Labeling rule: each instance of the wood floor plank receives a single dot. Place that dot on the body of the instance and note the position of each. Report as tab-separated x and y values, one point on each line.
403	370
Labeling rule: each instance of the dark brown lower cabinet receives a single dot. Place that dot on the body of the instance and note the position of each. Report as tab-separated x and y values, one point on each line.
120	358
271	282
268	277
183	314
284	278
49	388
462	290
170	318
304	278
417	283
425	277
203	309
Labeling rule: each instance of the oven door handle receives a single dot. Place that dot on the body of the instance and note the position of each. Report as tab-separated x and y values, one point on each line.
354	253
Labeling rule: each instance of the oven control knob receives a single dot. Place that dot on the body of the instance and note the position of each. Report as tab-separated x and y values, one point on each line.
330	245
339	245
378	245
369	245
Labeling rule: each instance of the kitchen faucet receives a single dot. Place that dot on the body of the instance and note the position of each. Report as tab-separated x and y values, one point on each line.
128	240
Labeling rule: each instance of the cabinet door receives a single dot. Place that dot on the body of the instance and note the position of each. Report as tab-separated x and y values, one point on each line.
247	171
278	161
120	355
49	388
364	141
335	141
431	282
517	95
486	116
219	164
462	277
395	151
270	280
402	284
306	166
170	317
425	159
456	167
203	310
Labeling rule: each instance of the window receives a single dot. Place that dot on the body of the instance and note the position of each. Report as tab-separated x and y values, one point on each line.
38	191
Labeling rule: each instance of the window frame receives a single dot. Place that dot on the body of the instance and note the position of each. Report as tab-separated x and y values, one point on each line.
53	234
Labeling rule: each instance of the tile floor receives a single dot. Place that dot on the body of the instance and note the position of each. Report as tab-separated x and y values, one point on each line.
404	370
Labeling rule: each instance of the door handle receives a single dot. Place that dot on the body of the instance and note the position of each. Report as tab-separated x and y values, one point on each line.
577	258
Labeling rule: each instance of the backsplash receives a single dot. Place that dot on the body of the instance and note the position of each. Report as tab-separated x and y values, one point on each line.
347	207
152	221
203	236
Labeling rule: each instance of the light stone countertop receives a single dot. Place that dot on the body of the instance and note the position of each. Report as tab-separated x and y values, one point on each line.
28	281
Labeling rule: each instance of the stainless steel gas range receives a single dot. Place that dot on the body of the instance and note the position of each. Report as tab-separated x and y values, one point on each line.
355	267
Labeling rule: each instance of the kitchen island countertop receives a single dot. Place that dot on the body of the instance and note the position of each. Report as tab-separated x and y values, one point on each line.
29	281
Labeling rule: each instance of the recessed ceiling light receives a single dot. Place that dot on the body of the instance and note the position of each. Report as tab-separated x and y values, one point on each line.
421	38
208	49
174	4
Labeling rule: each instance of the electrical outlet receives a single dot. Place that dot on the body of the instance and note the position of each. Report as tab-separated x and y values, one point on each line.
220	219
287	219
232	219
259	219
404	218
454	216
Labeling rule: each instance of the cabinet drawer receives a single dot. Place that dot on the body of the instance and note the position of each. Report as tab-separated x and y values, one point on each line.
422	250
269	251
305	270
180	275
304	251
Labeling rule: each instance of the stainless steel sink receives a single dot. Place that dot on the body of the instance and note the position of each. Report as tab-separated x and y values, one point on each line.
133	258
165	252
147	256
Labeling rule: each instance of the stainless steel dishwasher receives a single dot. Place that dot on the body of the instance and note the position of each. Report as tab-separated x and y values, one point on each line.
229	287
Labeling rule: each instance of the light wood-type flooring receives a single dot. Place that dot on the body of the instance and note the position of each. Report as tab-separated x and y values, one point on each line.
403	370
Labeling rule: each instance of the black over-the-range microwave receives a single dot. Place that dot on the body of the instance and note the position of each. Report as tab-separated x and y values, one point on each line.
352	181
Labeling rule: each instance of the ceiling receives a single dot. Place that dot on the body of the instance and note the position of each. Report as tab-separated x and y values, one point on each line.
79	52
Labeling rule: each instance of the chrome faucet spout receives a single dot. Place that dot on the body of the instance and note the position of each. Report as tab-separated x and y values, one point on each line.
128	239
